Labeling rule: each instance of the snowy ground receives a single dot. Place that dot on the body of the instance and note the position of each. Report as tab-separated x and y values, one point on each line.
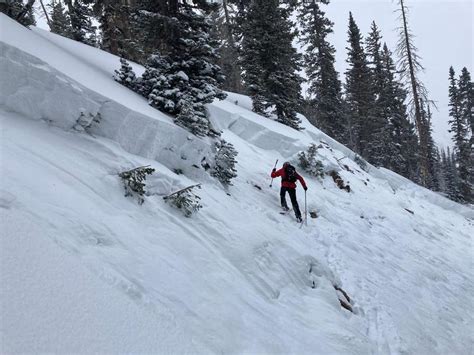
84	269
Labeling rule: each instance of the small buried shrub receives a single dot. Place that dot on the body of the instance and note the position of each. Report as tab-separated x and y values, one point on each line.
85	123
133	181
185	200
309	163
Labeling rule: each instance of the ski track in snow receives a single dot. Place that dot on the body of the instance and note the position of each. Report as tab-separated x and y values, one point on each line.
79	259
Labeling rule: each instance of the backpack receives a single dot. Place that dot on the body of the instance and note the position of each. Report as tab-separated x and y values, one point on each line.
290	174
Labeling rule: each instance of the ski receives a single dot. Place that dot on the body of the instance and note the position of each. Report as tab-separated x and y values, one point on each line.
286	212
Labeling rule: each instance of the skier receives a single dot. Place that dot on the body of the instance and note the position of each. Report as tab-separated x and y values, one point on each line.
288	183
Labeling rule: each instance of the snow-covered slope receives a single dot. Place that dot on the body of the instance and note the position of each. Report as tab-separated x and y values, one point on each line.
85	269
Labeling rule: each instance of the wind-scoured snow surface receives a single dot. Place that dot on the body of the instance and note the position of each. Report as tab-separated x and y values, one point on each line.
85	269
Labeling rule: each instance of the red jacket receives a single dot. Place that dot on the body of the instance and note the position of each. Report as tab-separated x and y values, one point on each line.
285	183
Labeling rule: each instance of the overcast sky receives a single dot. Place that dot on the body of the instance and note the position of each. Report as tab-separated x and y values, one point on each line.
444	37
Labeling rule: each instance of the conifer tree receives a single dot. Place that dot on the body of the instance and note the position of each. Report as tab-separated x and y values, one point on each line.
225	31
20	11
154	26
309	162
29	19
325	98
184	77
466	98
379	143
457	125
400	152
433	158
451	177
270	62
114	19
126	76
80	14
438	173
442	171
460	102
358	91
224	169
411	151
60	22
390	106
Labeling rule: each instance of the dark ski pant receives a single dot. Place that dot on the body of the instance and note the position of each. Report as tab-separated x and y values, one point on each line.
292	193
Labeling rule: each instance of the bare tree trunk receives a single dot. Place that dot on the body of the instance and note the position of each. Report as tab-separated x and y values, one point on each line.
46	14
419	119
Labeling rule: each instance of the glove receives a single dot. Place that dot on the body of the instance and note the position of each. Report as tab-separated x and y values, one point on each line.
305	188
273	170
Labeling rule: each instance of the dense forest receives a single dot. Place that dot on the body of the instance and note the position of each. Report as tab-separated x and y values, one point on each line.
194	51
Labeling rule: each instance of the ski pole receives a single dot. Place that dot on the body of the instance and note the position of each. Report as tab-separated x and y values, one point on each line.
305	210
271	183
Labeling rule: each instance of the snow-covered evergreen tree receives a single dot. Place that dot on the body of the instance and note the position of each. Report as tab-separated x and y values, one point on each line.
460	102
402	147
451	176
153	27
80	14
85	123
458	126
20	11
325	98
134	182
309	163
185	200
59	19
270	62
184	80
114	19
379	142
466	172
358	91
224	30
125	75
224	169
441	172
433	159
193	117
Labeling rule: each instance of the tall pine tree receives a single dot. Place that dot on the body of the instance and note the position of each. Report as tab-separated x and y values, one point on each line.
451	177
378	145
182	78
19	11
358	91
325	98
60	22
433	158
461	106
114	18
270	62
80	14
225	30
